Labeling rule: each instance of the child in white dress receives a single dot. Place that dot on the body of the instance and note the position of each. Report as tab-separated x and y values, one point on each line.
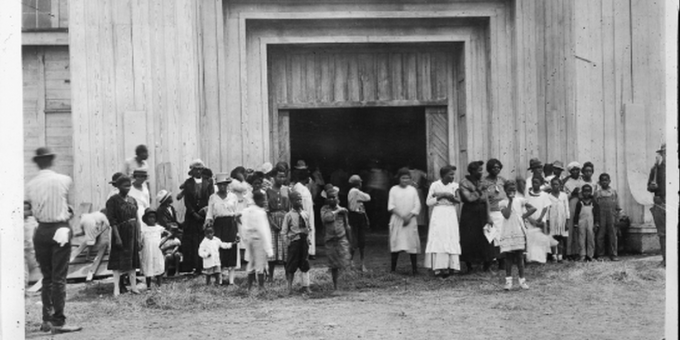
513	238
153	261
209	250
558	217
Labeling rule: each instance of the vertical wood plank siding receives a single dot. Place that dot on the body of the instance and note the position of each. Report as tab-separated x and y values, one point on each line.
547	79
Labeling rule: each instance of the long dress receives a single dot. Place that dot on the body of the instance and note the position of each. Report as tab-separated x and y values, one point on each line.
443	239
473	218
122	213
558	213
196	196
222	211
143	199
513	236
153	261
404	237
278	204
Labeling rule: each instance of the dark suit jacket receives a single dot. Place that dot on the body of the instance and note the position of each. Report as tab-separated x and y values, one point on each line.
195	200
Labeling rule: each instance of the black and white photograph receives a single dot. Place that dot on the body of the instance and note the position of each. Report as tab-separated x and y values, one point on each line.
339	169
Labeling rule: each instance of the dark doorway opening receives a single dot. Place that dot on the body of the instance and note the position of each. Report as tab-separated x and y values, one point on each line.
350	138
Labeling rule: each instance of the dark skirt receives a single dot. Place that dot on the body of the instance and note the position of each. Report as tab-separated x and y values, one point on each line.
226	230
125	258
474	245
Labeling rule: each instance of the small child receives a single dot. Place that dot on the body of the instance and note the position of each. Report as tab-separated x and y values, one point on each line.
609	209
257	238
358	219
558	216
295	229
513	236
30	224
94	225
538	243
153	261
170	246
209	250
338	234
585	220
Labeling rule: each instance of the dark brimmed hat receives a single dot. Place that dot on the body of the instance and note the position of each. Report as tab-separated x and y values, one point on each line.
148	212
122	179
300	165
43	152
115	177
535	163
140	172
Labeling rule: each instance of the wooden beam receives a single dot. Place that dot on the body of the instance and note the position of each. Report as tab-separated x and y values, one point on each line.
44	38
374	103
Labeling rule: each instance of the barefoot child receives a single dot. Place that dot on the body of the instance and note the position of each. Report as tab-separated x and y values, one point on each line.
513	237
538	243
585	221
338	234
170	246
153	262
258	239
295	230
404	205
609	209
558	217
209	250
358	220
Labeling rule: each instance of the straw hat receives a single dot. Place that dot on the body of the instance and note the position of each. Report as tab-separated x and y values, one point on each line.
266	167
196	164
573	165
222	178
162	196
558	165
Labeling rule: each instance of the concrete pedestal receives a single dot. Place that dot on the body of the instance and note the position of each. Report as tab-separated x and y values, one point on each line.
641	239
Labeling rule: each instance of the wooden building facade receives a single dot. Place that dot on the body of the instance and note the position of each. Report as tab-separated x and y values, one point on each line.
219	79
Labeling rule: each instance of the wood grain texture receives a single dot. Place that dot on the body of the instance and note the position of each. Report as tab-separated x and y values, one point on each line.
437	129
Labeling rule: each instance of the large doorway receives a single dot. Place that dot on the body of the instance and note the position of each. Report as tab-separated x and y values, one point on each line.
351	138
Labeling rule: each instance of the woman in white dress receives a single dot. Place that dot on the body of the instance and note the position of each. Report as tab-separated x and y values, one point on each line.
443	240
140	192
404	205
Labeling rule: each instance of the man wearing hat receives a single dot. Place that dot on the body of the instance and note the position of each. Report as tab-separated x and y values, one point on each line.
657	185
167	214
48	193
558	169
197	192
536	168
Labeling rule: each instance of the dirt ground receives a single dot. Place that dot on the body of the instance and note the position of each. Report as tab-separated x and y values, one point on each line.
597	300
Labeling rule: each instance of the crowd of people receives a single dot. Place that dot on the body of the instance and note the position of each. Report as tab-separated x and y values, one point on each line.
269	217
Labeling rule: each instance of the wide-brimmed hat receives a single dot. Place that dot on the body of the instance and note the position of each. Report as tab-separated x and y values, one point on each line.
142	172
558	165
122	179
332	190
266	167
354	179
535	163
115	177
196	164
162	196
148	212
573	165
223	178
300	165
43	152
662	148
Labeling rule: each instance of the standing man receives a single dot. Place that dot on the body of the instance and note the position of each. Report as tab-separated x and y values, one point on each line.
48	194
138	162
197	192
657	185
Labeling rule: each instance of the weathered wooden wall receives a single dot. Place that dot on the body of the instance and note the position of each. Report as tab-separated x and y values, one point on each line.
136	73
559	80
47	106
355	75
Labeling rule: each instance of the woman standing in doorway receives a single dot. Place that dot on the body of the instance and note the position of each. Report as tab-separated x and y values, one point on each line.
278	204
